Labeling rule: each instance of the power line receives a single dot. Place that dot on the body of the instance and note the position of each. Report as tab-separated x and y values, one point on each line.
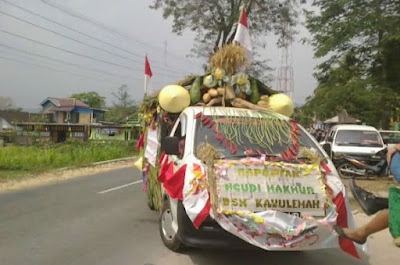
72	29
68	51
62	61
67	37
81	42
57	70
77	31
110	29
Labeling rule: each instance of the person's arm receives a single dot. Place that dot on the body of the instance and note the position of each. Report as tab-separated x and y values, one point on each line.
391	151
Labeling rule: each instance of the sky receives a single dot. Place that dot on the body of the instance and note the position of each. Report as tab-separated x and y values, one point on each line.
106	50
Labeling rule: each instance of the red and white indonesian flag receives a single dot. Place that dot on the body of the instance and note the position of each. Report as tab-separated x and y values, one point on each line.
147	75
242	35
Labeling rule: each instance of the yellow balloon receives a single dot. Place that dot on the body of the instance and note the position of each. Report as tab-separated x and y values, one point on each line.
174	98
282	104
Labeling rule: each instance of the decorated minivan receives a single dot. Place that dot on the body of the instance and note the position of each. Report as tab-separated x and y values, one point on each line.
231	176
226	166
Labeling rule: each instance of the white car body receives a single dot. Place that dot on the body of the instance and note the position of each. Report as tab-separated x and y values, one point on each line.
343	148
187	123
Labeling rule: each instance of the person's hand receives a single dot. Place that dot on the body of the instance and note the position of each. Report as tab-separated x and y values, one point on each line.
390	154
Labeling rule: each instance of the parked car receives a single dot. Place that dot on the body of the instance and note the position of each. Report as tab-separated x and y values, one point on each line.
359	141
390	138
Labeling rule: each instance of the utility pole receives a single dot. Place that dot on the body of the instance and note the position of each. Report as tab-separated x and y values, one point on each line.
165	62
285	78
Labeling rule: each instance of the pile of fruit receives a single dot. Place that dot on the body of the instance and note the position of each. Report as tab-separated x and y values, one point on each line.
226	84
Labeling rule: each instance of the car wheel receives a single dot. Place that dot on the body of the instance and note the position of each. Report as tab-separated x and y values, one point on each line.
167	233
344	168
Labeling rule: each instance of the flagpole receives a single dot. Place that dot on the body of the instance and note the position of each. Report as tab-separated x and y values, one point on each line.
145	79
145	87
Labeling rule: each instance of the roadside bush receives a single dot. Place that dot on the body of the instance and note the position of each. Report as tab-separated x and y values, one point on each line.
62	155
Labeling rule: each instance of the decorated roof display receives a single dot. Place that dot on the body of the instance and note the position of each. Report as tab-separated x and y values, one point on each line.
225	83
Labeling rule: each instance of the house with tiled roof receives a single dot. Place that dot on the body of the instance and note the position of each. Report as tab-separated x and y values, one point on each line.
70	110
10	118
64	118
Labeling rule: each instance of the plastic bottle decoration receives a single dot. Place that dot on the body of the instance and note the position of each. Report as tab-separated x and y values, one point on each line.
174	98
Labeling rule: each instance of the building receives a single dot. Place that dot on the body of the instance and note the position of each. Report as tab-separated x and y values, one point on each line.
341	118
70	110
125	129
9	119
63	118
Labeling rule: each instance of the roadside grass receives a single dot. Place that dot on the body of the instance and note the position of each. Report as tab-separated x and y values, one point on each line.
18	162
7	175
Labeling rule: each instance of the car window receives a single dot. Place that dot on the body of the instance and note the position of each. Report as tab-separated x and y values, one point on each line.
358	138
204	134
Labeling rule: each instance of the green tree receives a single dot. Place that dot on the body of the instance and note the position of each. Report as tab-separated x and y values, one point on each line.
122	107
6	103
215	22
342	88
93	99
123	97
358	41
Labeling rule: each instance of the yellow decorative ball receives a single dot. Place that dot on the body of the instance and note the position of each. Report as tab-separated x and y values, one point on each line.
174	98
281	104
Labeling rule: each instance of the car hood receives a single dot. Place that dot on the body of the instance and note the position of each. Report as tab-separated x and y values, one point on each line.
356	150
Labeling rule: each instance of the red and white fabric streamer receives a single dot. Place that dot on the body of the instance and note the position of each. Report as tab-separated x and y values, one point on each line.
242	35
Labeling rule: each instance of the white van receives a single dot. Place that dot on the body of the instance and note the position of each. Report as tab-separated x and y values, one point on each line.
177	219
355	140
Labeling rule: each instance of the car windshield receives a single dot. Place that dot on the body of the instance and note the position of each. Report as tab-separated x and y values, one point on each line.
358	138
205	134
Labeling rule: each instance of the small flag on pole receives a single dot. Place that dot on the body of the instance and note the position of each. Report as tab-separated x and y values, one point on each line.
242	35
147	76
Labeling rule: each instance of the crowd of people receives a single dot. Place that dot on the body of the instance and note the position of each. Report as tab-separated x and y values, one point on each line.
319	134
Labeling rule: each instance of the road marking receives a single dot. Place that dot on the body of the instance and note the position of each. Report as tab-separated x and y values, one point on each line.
120	187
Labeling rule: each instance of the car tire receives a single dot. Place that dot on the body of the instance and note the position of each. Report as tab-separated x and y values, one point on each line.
168	235
345	166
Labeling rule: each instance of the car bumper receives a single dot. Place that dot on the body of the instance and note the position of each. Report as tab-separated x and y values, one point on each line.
209	235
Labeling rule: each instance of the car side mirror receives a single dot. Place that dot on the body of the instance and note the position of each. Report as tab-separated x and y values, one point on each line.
170	145
327	148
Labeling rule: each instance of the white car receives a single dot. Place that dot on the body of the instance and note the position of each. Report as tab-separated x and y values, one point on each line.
291	225
353	140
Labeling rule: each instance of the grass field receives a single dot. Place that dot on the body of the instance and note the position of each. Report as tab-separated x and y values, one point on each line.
21	161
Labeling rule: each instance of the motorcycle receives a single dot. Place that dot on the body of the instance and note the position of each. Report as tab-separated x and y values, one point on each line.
369	202
352	166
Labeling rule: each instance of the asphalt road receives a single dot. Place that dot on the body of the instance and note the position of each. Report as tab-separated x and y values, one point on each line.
103	219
